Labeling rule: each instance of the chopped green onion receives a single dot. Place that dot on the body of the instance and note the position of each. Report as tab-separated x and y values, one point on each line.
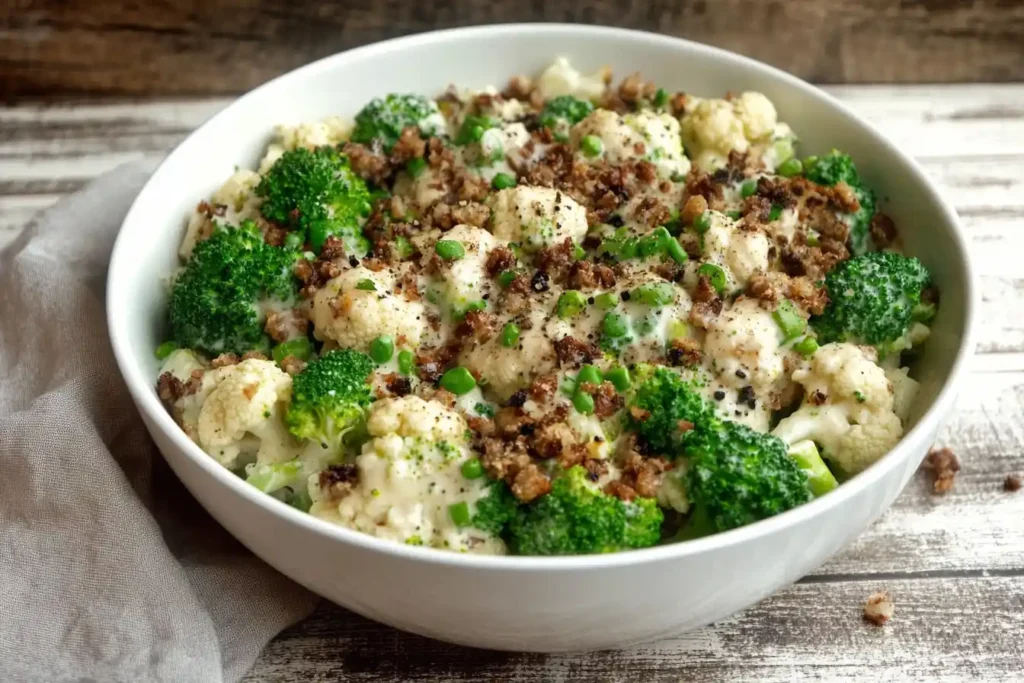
583	403
404	247
657	294
676	252
629	249
606	301
506	277
510	335
812	239
673	224
298	347
660	98
382	349
774	214
578	252
806	346
502	181
619	377
789	319
460	513
458	380
570	303
790	167
649	245
588	373
715	274
366	285
614	326
591	146
293	241
449	250
415	166
406	362
748	188
735	215
702	222
165	349
472	469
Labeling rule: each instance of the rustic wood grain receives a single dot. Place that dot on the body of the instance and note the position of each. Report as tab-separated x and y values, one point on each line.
945	629
51	47
955	563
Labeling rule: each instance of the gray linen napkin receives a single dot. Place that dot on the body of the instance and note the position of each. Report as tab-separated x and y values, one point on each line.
109	569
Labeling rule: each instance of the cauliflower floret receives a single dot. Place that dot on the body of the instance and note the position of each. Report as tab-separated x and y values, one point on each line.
562	79
644	135
537	217
360	305
466	279
270	157
410	478
181	364
757	114
850	410
333	130
504	370
411	416
712	128
741	253
848	377
744	346
238	198
243	414
904	391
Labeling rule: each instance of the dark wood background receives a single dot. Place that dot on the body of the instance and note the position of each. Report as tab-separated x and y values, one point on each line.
96	48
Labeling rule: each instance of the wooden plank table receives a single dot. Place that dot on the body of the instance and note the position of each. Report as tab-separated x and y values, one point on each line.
954	563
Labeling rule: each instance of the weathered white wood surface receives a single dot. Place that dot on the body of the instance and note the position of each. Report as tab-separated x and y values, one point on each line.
955	564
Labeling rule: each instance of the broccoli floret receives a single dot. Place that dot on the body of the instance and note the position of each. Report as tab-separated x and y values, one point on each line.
330	397
495	510
562	112
872	300
663	403
382	120
575	519
835	167
316	194
737	476
215	300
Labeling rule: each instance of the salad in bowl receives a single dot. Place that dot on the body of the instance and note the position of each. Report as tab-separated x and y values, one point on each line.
564	317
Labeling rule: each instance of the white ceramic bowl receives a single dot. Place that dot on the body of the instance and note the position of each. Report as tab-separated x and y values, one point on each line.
531	603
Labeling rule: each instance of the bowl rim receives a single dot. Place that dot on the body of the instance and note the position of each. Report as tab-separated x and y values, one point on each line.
148	403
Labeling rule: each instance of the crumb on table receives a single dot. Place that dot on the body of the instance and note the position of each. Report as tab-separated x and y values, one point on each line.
1012	482
879	608
943	463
